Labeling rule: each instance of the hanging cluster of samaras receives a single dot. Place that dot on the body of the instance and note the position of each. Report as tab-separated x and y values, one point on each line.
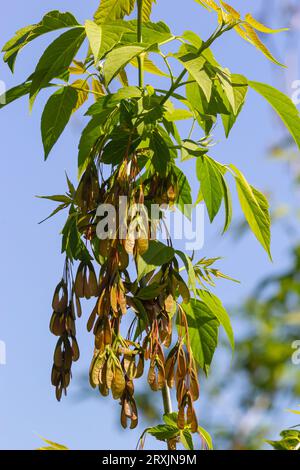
121	351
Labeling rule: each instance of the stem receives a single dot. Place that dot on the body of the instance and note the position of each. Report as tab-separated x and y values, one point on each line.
166	396
140	40
169	68
167	399
205	45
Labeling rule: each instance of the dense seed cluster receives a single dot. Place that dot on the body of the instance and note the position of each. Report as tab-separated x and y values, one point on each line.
152	298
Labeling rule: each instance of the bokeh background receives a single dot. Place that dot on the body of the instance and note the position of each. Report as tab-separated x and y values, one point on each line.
244	400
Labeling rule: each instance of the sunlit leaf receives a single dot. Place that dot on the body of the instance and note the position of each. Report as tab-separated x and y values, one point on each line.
283	106
217	308
83	89
119	58
203	331
256	210
52	21
109	10
147	9
261	27
56	115
157	255
56	59
211	181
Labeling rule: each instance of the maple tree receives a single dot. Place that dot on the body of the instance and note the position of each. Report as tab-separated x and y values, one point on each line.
131	146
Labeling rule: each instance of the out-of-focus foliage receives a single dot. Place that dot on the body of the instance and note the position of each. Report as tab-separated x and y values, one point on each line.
290	438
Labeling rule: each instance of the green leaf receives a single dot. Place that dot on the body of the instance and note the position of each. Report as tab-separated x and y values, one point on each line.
192	38
103	38
171	418
156	255
14	94
118	58
211	181
187	439
112	100
203	330
217	308
194	64
255	207
149	67
52	21
59	208
283	106
125	93
115	151
161	153
162	432
72	244
224	77
184	199
227	204
172	115
189	269
196	101
151	291
153	33
112	34
71	186
109	10
141	313
56	115
94	35
57	198
56	59
240	89
91	133
206	437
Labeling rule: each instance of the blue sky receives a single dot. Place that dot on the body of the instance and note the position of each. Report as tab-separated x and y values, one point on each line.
31	261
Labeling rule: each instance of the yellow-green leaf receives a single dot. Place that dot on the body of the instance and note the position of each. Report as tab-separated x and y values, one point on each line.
203	331
283	106
56	59
118	59
254	39
206	437
52	445
256	210
149	67
147	9
94	34
233	13
209	4
261	27
110	10
83	89
97	89
77	68
219	311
